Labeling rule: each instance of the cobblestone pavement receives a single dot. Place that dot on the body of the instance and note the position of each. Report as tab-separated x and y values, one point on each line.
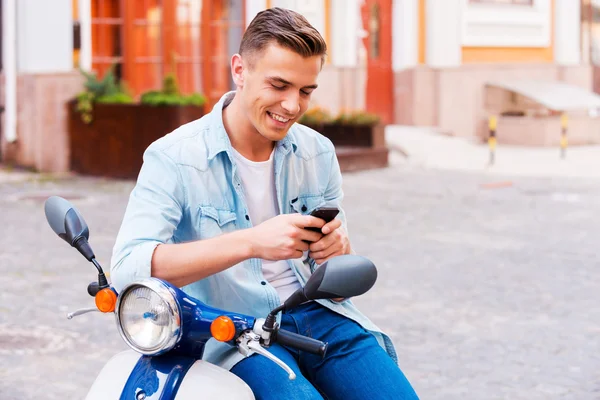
489	292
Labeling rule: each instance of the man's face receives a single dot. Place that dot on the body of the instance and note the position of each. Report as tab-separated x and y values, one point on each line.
276	89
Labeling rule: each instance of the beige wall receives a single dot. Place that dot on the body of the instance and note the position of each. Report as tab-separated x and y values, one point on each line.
340	88
452	99
546	131
42	130
415	91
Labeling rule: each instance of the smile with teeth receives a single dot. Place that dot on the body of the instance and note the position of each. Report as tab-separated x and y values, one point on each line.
277	117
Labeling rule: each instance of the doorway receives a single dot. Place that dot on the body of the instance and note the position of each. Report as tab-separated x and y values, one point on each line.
377	21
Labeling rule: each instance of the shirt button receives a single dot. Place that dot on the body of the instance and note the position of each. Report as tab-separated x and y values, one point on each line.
247	217
303	207
263	283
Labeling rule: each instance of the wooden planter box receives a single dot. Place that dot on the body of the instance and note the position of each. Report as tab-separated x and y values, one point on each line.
357	147
353	135
113	144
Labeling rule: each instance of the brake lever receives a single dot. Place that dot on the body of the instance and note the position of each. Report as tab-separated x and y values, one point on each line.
81	311
260	350
249	343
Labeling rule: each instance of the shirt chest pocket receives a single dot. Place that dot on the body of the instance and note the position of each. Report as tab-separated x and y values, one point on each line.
307	203
214	221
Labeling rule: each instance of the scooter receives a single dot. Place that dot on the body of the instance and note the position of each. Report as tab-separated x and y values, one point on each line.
167	329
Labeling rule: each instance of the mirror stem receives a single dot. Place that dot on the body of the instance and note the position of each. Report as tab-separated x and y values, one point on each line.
102	282
97	265
82	245
277	310
269	324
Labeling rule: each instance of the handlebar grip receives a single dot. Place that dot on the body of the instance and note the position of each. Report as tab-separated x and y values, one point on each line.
93	289
300	342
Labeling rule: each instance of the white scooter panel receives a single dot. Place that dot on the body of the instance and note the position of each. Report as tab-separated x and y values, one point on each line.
202	379
110	382
212	382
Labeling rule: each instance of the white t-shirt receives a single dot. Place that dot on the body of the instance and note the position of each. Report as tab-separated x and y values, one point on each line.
258	180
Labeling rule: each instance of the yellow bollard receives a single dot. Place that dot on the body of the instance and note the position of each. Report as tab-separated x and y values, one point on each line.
493	122
564	123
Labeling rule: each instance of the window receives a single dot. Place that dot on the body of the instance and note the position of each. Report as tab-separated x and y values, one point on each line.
192	38
223	27
107	27
76	33
504	23
518	2
145	43
187	57
147	39
374	32
1	40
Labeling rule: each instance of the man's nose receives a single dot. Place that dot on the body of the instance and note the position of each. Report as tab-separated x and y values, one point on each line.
291	104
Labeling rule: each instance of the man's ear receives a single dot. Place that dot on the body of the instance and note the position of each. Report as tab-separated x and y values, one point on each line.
237	70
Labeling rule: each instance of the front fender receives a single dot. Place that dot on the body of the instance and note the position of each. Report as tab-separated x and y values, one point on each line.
214	383
202	377
110	382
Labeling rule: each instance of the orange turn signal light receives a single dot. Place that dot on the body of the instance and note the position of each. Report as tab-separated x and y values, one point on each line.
222	329
106	300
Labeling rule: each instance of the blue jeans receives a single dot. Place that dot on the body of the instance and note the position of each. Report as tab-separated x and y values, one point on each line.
355	366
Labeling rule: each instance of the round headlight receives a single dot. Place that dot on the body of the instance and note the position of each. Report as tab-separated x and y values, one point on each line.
148	317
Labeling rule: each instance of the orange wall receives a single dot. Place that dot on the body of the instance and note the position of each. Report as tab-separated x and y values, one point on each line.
506	54
422	31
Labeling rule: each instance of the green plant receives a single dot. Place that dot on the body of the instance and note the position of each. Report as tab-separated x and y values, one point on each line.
115	98
315	116
100	87
319	115
169	95
170	85
195	99
356	117
105	90
85	101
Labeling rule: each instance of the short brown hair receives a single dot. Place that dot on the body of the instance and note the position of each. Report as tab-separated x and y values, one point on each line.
285	27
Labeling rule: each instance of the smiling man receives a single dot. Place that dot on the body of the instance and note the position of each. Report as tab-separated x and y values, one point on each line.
220	209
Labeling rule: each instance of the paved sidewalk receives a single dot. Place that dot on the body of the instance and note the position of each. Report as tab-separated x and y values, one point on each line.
9	175
487	293
427	148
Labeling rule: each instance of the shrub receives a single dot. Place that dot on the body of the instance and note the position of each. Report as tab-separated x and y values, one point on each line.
170	95
315	116
356	117
105	90
318	116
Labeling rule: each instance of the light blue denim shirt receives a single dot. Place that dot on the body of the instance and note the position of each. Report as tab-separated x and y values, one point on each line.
188	190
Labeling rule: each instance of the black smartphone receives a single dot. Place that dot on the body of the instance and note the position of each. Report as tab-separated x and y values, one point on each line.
325	213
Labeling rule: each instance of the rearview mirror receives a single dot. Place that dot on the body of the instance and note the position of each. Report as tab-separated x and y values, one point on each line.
65	220
68	224
340	277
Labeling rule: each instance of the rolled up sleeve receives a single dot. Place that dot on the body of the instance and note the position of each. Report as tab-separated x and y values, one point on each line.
153	213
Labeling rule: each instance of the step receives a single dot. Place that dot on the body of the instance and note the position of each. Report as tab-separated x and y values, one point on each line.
354	158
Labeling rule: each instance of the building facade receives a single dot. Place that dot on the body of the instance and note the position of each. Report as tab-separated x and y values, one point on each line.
416	62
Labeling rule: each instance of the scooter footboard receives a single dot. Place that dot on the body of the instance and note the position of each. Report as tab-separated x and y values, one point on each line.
202	378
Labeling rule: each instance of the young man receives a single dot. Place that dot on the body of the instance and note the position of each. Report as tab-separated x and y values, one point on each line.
220	207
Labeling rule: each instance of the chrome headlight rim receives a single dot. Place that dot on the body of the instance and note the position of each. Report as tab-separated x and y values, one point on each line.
164	292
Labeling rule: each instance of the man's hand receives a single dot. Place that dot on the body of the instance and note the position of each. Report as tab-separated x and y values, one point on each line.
335	242
284	237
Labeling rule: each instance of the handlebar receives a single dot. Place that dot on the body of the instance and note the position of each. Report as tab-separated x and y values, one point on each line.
303	343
